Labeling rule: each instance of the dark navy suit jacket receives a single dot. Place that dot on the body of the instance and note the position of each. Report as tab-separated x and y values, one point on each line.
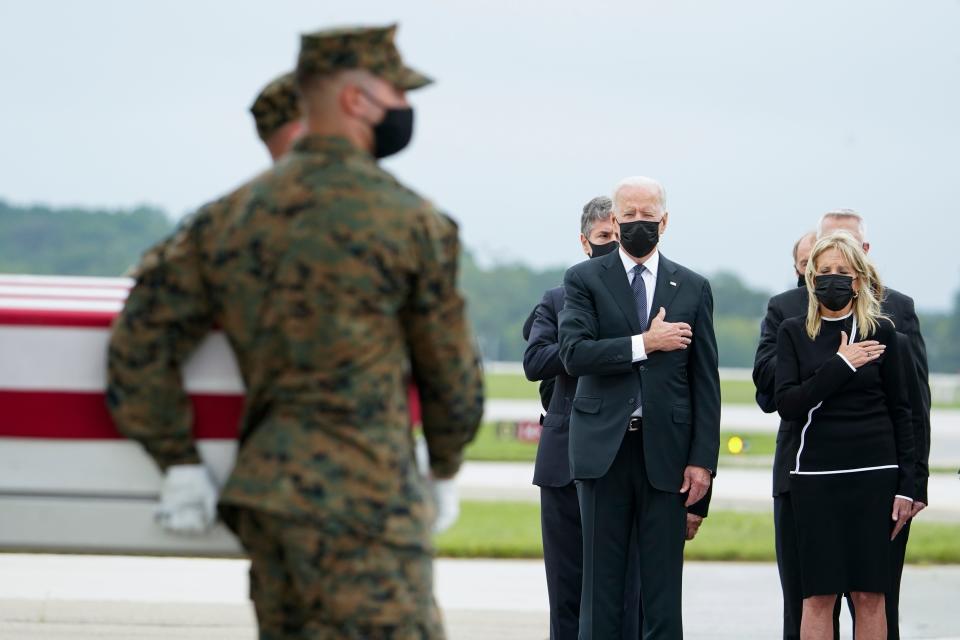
541	361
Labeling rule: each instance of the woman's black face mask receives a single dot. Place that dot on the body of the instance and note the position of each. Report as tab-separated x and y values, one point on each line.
833	290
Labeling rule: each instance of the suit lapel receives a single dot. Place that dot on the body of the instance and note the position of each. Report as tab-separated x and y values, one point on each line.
615	278
668	283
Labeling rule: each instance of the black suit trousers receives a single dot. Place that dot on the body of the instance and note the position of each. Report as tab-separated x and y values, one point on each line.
562	558
899	553
788	564
610	507
563	561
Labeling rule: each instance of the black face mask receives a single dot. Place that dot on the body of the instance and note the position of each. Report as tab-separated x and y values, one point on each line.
639	237
394	131
597	250
834	291
801	281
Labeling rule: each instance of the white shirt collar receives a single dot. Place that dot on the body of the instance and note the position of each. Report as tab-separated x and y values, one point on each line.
843	317
652	263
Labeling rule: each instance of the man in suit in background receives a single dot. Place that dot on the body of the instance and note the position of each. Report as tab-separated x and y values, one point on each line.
545	388
637	329
597	238
801	255
793	302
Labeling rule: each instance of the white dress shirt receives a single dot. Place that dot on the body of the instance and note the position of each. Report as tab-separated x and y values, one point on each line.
649	276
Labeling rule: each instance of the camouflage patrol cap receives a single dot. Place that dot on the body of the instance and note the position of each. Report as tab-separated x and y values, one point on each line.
276	105
370	48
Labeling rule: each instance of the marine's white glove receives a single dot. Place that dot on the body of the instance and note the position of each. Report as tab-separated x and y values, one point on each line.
422	454
188	499
446	498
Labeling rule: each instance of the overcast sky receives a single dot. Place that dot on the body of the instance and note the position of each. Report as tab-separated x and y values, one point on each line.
757	115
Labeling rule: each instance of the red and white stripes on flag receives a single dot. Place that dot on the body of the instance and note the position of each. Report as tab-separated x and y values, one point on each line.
68	481
53	340
54	332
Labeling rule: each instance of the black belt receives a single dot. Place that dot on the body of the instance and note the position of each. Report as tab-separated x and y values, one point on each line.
636	423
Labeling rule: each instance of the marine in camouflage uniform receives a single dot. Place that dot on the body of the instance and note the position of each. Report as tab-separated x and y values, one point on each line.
331	281
277	114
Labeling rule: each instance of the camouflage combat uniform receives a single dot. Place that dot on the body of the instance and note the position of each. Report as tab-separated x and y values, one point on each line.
276	105
331	281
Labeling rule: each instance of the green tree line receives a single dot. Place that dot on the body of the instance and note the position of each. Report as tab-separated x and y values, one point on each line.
76	241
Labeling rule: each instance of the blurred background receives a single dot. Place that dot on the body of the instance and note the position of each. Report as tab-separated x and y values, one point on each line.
119	118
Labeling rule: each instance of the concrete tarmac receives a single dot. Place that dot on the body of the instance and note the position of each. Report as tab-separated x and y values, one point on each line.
44	597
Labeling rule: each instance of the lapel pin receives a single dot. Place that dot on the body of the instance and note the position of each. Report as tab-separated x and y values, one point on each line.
672	283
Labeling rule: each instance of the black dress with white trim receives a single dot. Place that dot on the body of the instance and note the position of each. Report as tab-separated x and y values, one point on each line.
855	456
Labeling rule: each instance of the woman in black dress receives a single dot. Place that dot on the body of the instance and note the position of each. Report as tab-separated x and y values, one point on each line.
838	380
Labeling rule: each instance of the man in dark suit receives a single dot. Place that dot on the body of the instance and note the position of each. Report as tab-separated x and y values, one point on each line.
793	302
637	329
559	507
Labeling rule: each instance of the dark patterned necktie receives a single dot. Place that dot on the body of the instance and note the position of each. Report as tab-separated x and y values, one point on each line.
640	295
640	299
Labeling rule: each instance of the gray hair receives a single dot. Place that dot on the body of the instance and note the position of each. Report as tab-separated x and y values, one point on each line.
644	182
844	214
599	208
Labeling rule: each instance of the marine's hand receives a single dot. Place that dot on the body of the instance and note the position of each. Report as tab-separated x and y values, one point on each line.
666	336
859	353
902	509
693	525
696	481
446	499
188	500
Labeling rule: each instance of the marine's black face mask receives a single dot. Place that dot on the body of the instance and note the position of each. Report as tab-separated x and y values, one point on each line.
393	133
640	237
833	290
597	250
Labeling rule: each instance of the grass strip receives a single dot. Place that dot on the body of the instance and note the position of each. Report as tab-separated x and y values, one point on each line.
514	386
512	530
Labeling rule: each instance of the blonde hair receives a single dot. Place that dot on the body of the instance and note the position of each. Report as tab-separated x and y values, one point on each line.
866	303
